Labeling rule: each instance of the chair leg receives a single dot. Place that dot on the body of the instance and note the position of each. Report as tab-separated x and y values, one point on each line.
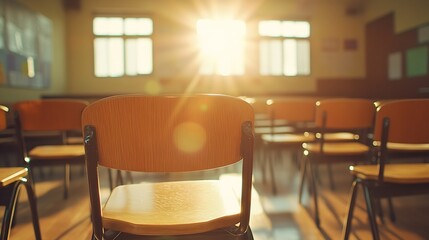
129	177
270	165
10	211
370	211
391	210
301	185
66	180
109	173
248	235
352	201
314	190
119	179
380	209
331	177
33	206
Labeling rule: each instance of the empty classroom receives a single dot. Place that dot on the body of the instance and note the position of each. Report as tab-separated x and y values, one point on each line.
214	119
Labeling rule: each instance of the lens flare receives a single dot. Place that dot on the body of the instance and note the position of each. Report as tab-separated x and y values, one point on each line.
189	137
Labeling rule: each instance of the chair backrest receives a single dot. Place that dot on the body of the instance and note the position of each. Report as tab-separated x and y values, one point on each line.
293	110
167	133
345	113
3	123
408	121
258	103
50	115
3	110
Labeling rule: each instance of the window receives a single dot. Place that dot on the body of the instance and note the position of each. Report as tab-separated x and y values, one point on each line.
221	45
284	48
122	46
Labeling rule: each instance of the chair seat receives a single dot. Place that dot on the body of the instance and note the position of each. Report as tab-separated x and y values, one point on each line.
275	129
56	151
11	174
404	146
395	173
340	136
337	148
269	122
172	208
288	138
74	140
7	140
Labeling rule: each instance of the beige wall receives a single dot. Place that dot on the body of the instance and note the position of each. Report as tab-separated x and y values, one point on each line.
408	14
175	47
175	58
53	10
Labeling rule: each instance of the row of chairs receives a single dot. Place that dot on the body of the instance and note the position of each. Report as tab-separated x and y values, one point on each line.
143	133
150	134
359	131
41	120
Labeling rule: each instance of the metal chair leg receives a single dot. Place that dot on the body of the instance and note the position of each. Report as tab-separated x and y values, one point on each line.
391	210
273	179
33	206
109	173
10	211
314	190
348	221
66	180
331	177
370	211
301	185
379	209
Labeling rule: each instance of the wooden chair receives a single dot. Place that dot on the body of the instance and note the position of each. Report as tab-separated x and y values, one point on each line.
12	179
298	114
170	134
342	115
46	116
401	128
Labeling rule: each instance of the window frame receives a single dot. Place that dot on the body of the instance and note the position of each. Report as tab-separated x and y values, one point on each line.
124	37
282	40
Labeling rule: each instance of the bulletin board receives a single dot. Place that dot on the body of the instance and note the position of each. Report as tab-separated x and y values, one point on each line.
417	61
25	47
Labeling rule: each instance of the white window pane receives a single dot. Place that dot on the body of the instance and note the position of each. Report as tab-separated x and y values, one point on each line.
116	57
139	56
100	57
271	57
131	57
296	29
108	26
303	57
290	58
144	56
270	28
138	26
275	49
288	29
302	29
264	57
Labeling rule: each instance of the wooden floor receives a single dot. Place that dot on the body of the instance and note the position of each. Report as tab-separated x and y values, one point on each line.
274	217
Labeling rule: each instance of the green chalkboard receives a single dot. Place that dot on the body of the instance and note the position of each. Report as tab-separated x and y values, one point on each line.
417	61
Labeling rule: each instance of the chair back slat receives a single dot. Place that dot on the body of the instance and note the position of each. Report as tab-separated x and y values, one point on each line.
293	110
408	121
345	113
50	115
168	134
